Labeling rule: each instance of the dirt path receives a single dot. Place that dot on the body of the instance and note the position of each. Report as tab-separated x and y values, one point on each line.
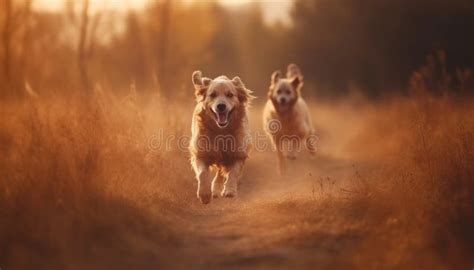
275	222
296	221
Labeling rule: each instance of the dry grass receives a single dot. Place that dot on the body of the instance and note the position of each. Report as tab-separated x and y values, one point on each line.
75	186
419	199
80	188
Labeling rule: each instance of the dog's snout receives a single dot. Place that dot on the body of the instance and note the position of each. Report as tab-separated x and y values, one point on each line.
283	100
221	107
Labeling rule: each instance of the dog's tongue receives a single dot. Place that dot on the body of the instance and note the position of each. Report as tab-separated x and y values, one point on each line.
222	118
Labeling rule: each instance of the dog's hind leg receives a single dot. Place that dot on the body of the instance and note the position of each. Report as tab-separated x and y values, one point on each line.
232	178
217	184
279	147
204	183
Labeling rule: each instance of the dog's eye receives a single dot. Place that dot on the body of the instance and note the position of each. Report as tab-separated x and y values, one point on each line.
213	95
287	92
279	91
230	95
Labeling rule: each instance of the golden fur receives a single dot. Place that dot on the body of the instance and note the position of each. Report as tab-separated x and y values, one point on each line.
224	148
286	116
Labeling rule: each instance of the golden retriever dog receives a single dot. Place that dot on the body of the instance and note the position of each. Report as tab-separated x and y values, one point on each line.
286	117
220	139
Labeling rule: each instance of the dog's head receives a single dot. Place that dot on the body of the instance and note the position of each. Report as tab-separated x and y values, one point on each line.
221	96
285	91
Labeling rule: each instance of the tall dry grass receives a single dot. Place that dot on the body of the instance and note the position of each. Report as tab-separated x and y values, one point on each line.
78	181
420	200
81	187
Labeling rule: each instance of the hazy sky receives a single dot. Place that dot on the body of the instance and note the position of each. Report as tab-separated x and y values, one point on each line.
274	10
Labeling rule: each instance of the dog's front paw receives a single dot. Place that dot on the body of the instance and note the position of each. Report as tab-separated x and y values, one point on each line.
204	192
229	193
216	190
205	198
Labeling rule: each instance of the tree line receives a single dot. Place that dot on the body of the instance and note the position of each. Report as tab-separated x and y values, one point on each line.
374	46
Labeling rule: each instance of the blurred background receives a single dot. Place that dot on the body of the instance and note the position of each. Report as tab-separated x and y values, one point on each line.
86	84
370	46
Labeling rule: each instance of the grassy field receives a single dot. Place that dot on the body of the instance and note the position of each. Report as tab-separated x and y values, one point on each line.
85	183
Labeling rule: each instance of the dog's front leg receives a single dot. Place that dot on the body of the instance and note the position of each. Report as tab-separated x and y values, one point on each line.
293	148
230	184
217	184
278	146
204	182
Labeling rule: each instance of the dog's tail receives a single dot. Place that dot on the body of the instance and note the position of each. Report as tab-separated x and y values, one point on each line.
293	71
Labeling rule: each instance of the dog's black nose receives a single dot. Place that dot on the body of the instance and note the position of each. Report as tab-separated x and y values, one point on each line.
221	107
283	100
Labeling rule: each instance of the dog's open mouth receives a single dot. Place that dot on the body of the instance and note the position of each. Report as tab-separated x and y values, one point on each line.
283	106
222	118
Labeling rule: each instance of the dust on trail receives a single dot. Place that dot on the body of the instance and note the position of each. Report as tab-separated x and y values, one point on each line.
276	222
266	225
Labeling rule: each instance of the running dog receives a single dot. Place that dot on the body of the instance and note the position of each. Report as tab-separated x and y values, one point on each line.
220	139
286	117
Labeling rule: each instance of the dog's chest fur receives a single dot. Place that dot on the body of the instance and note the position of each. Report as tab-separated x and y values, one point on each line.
216	146
292	122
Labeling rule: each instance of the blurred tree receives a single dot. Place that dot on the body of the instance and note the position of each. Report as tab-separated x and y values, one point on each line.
86	26
377	44
186	46
165	7
25	41
7	35
15	17
81	46
129	60
374	45
224	56
254	42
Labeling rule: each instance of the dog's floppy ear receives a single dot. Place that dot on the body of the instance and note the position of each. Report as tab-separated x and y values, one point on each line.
276	75
244	94
200	85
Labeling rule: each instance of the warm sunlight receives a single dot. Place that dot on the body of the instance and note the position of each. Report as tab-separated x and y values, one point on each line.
273	10
236	134
117	5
